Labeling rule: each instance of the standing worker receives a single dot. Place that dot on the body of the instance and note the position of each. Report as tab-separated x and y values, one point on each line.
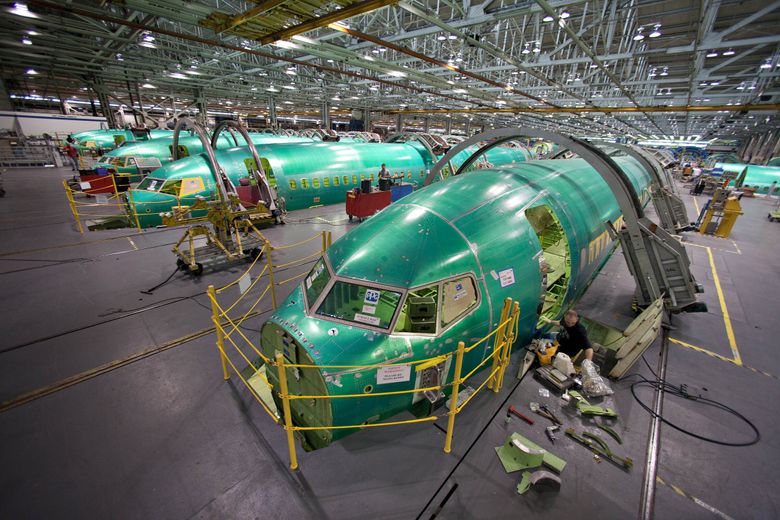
772	188
573	337
384	173
71	153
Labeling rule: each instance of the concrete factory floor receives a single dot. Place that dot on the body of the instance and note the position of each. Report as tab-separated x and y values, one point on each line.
114	406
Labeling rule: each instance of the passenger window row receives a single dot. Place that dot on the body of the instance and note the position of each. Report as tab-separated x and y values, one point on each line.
335	181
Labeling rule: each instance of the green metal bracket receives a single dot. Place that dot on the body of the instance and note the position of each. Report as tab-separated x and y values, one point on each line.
623	462
589	409
612	433
518	453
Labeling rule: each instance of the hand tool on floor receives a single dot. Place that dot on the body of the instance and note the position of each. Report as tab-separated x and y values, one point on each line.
551	414
538	410
550	432
514	411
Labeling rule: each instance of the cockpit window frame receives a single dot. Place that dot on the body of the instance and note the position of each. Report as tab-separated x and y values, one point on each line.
440	301
310	310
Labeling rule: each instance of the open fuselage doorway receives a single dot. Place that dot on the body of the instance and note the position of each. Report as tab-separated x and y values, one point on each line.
554	262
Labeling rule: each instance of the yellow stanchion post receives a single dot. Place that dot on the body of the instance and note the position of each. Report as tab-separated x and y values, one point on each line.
498	345
324	241
509	339
72	203
132	209
220	336
285	397
330	239
113	181
454	397
272	283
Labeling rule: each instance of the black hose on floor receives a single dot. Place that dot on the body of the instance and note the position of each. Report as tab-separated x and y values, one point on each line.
679	391
150	291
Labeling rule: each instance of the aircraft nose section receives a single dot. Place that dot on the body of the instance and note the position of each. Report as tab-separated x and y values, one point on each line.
148	206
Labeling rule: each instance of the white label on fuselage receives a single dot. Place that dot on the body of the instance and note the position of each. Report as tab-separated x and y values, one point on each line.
362	318
369	309
506	277
393	374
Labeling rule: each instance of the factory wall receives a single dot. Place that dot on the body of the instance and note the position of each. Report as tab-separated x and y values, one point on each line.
35	124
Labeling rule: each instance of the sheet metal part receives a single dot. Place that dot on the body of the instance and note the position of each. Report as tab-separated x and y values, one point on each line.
622	462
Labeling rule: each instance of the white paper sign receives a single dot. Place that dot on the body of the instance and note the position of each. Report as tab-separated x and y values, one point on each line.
362	318
369	309
506	277
393	374
85	185
244	282
101	199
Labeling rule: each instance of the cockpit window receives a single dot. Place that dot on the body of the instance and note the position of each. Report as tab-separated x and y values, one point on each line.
360	304
171	187
418	315
117	161
151	184
459	295
316	281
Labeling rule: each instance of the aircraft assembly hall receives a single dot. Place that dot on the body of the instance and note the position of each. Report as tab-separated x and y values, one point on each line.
392	259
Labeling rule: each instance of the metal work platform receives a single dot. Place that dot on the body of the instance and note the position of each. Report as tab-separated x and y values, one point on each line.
114	404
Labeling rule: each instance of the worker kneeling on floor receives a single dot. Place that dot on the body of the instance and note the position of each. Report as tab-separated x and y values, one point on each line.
573	337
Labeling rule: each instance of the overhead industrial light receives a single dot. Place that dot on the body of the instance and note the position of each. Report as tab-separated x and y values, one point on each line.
21	9
593	65
284	44
548	18
192	72
712	54
526	50
303	39
729	52
288	87
26	41
715	83
31	72
272	89
665	72
564	15
177	75
767	64
656	31
459	91
148	85
538	48
33	33
639	36
397	73
452	37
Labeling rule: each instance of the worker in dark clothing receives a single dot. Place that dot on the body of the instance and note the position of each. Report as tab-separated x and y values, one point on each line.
573	337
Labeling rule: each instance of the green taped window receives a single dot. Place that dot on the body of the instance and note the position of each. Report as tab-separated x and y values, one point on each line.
346	180
372	177
360	304
171	187
305	183
326	182
150	184
354	179
318	278
335	181
418	315
315	183
293	185
459	297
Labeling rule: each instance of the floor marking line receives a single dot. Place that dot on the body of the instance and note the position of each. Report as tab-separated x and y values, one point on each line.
722	358
132	243
710	247
699	502
724	309
739	251
696	205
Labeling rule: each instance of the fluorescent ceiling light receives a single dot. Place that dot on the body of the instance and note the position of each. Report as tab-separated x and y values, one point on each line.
272	89
564	15
288	87
547	18
148	45
193	72
452	37
31	72
177	75
284	44
22	10
459	91
712	54
441	37
148	85
303	39
33	33
729	52
368	58
397	73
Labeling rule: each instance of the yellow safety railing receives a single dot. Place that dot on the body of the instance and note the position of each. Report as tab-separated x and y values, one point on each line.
115	204
229	334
